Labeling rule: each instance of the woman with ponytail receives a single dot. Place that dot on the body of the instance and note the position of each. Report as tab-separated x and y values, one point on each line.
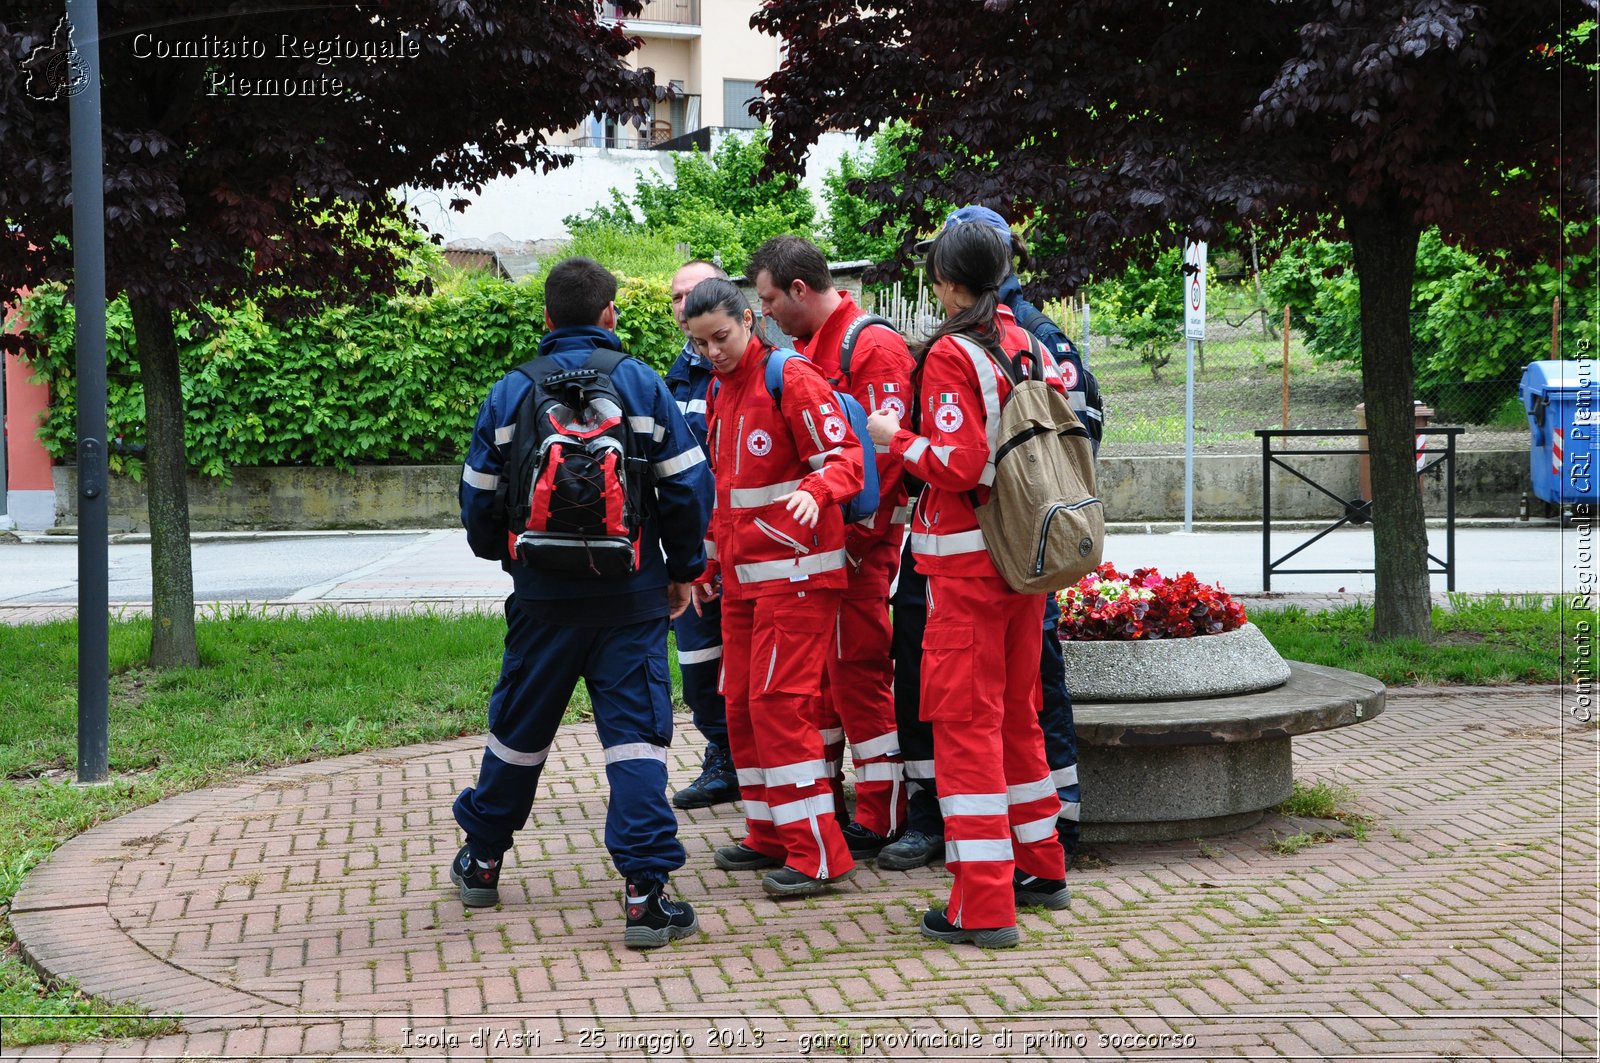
980	666
783	458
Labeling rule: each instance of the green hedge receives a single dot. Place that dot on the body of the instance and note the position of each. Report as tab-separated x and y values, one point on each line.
395	381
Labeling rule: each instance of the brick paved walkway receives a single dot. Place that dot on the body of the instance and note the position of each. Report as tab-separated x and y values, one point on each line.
305	914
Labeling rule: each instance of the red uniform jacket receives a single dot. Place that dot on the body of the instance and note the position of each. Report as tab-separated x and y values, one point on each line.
880	377
960	393
760	453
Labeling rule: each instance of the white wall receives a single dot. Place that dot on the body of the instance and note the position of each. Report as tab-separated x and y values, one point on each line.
530	206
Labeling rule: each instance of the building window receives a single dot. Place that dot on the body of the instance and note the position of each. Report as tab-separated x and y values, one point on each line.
735	99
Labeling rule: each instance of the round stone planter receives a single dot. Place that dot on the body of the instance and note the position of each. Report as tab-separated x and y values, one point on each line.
1241	661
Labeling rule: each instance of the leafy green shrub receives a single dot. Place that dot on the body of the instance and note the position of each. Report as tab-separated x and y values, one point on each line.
394	381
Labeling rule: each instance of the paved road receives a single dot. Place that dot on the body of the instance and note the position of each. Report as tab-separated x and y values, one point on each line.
437	564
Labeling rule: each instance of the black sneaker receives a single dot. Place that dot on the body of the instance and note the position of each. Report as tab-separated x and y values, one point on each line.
653	919
864	842
743	858
914	848
937	927
1051	893
479	883
787	882
718	783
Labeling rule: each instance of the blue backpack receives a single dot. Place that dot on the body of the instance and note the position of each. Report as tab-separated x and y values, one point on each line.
865	503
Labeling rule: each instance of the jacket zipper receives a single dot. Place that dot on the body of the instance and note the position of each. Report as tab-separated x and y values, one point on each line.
738	445
775	534
1044	532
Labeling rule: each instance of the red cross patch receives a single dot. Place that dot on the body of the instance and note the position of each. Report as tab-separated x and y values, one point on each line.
948	417
833	428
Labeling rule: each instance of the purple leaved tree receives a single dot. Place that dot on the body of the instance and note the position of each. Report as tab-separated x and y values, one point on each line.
1111	123
253	149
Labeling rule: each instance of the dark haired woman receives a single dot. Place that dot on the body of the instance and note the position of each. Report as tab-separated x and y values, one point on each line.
781	466
980	665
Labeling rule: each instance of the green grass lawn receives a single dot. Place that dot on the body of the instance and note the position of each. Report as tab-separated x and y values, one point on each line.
288	689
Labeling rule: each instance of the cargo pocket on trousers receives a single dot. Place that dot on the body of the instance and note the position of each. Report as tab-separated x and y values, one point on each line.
789	659
949	672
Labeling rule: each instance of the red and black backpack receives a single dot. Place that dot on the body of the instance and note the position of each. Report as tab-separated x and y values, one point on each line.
575	482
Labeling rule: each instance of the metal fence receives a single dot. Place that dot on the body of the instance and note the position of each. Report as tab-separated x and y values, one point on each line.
1252	372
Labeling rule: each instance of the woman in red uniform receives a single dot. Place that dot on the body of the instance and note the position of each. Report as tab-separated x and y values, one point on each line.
777	535
980	665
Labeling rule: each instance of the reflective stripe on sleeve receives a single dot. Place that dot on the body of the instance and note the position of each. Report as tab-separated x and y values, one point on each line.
483	481
816	461
505	434
914	451
682	463
646	426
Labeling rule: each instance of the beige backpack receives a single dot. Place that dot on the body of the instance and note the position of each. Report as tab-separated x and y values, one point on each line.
1043	525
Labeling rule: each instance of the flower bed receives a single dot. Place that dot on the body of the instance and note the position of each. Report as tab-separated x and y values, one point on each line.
1108	605
1136	638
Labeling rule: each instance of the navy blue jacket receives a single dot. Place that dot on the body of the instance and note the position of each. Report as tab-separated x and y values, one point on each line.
1083	391
673	539
688	380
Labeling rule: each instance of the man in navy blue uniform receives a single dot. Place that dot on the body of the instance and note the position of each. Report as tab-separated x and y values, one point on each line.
699	634
611	632
924	837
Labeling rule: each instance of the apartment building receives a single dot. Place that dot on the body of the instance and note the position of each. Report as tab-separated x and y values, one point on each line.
707	52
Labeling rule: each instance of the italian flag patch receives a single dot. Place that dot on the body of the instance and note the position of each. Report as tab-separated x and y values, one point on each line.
948	398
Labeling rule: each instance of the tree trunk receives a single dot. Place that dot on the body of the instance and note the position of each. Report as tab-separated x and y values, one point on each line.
172	643
1383	238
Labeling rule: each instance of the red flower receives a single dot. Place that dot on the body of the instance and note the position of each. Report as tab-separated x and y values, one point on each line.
1107	604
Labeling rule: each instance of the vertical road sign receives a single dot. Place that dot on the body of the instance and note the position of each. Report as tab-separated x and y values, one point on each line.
1194	290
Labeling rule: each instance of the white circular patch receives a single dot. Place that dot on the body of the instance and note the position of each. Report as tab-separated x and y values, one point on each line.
948	417
833	428
1069	374
759	443
895	406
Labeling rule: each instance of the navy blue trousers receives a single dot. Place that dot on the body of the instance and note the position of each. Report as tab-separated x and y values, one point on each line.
700	660
625	671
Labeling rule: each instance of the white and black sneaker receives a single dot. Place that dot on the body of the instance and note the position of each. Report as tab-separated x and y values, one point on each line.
654	919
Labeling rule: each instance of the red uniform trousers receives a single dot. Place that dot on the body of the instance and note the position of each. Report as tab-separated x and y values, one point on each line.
981	693
859	701
772	662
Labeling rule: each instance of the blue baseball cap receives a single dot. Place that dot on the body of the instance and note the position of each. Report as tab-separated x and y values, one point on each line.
981	215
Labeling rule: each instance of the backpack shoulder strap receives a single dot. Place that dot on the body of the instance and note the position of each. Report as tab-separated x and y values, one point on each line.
847	346
606	360
776	359
1011	368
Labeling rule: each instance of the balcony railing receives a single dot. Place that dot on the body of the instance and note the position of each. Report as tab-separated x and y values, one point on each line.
674	118
677	12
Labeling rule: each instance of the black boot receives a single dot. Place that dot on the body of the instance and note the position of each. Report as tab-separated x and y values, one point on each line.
717	785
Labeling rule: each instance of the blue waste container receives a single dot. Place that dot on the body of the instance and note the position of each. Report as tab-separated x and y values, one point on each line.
1562	400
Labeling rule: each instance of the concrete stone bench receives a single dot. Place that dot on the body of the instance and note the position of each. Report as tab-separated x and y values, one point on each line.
1161	770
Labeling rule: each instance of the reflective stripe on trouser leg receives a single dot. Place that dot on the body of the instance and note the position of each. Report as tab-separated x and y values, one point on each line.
986	741
538	672
738	618
699	639
832	731
788	639
631	689
861	688
1060	736
916	736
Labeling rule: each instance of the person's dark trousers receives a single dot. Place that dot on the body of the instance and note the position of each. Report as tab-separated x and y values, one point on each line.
1060	737
625	670
910	608
700	660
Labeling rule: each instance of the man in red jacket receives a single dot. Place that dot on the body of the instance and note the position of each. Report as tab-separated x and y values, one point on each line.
797	294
